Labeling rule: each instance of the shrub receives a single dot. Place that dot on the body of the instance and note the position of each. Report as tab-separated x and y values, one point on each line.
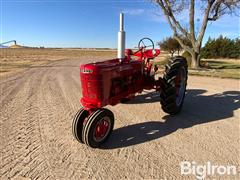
222	47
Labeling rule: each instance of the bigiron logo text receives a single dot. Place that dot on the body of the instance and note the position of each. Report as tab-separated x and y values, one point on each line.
202	170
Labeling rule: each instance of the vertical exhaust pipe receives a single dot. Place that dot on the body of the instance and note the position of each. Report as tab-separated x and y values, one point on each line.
121	38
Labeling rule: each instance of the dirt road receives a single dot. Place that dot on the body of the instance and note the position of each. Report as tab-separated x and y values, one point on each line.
37	107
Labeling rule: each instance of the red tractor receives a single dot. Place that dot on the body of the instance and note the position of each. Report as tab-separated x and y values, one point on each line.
112	81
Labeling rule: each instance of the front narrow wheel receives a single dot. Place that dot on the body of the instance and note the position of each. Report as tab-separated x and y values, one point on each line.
77	124
98	128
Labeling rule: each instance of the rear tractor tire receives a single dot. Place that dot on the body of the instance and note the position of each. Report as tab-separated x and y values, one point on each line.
174	85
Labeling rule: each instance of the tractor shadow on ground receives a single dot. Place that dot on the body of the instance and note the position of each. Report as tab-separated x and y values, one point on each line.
146	97
198	109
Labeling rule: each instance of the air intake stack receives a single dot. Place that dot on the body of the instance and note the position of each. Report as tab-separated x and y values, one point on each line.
121	38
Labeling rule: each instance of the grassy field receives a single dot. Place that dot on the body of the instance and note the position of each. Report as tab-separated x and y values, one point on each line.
222	68
15	60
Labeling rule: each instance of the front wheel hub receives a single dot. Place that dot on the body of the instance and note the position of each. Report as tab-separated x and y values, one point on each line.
102	129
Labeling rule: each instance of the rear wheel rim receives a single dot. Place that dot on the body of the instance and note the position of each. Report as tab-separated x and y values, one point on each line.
180	83
102	129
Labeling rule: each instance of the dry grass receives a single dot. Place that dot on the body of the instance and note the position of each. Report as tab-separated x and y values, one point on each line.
221	73
222	68
15	60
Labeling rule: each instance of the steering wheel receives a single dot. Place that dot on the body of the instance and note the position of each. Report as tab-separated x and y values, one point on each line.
145	43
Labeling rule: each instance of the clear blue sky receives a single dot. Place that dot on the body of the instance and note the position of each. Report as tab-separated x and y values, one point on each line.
91	23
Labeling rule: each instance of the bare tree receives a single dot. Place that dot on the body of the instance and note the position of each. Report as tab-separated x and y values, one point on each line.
212	10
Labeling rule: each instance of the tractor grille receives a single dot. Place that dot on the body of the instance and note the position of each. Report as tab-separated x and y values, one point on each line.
92	86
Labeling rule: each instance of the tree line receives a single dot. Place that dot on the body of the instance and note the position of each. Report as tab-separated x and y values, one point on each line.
221	47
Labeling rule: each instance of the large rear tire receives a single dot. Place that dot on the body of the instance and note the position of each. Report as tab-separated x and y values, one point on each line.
174	85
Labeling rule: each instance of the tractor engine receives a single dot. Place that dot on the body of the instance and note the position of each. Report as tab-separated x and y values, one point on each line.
104	82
